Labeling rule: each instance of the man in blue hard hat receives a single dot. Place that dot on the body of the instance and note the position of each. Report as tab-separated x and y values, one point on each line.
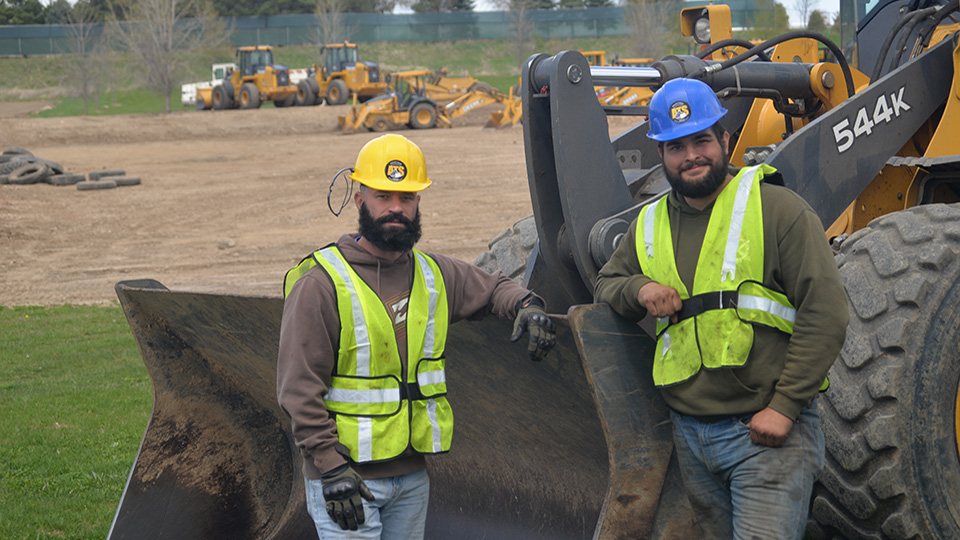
750	314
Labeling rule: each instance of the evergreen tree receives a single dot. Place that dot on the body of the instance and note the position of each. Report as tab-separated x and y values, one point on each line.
441	6
14	12
817	22
58	12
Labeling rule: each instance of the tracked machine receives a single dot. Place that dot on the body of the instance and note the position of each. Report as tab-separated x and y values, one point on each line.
580	446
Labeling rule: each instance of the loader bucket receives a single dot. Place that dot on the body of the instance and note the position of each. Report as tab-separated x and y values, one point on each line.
559	449
511	115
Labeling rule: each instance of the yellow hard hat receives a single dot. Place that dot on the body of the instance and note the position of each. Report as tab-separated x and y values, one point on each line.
391	163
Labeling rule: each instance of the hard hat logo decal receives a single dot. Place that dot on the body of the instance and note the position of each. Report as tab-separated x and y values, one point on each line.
396	171
680	112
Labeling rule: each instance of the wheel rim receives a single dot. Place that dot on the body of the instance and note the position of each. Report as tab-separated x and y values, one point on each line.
423	117
334	94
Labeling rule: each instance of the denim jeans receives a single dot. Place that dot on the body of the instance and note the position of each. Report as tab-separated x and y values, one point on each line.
742	490
398	513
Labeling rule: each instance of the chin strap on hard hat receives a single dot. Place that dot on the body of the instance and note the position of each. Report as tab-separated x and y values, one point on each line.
347	194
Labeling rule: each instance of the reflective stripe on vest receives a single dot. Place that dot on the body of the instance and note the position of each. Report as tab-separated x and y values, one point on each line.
731	260
379	411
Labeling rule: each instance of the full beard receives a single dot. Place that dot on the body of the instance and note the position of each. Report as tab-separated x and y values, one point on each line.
704	187
390	238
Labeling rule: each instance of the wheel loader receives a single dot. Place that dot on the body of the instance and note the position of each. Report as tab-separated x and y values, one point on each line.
579	446
342	77
256	80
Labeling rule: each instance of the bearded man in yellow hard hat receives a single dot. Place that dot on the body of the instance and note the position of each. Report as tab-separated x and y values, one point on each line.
361	360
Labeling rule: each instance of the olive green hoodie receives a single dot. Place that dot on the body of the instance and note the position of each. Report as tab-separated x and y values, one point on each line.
782	371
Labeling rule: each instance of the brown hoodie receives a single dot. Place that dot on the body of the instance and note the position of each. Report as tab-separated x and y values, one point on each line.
309	341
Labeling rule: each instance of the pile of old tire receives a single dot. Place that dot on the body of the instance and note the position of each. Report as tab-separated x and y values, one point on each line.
19	166
108	179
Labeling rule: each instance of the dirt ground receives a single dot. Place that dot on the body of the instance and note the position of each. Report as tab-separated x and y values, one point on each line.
229	200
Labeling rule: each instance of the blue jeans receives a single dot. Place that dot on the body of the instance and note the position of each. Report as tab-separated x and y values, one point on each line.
742	490
398	513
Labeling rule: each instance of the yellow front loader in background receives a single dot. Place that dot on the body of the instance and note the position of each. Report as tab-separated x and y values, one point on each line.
342	76
257	79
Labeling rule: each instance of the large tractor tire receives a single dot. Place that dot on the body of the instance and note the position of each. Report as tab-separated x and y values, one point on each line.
337	92
510	250
891	413
288	101
249	96
380	124
221	101
423	115
306	95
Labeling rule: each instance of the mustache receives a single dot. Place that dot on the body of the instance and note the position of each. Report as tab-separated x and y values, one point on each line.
697	163
394	217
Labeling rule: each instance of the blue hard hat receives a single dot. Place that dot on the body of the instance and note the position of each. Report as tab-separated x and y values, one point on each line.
683	107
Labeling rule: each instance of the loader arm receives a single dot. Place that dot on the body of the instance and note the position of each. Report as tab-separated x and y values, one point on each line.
583	201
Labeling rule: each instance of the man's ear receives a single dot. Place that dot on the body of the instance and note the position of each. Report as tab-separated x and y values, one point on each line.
358	198
726	142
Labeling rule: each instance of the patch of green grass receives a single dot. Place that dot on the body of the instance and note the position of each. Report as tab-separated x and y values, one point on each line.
136	101
75	398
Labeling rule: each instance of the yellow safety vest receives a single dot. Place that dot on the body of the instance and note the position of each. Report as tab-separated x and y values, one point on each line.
381	412
715	327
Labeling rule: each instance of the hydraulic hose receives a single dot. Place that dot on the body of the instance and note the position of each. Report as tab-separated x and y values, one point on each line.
887	41
731	42
941	14
796	34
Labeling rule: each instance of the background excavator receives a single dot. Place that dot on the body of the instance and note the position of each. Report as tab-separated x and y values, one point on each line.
588	452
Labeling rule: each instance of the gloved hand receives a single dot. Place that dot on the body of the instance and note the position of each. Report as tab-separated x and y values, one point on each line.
342	489
533	319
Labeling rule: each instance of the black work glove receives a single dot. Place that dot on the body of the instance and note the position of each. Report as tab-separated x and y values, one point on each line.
342	489
534	320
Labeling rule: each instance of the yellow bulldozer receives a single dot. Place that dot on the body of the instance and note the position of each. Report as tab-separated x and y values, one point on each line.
579	446
256	80
342	77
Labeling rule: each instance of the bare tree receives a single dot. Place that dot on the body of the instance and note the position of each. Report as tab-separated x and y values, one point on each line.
521	25
82	43
163	35
331	25
652	26
803	9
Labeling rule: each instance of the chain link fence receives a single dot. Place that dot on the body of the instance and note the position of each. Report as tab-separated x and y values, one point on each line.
282	30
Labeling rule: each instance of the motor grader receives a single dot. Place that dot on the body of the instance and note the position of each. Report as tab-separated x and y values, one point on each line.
256	80
579	446
342	77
